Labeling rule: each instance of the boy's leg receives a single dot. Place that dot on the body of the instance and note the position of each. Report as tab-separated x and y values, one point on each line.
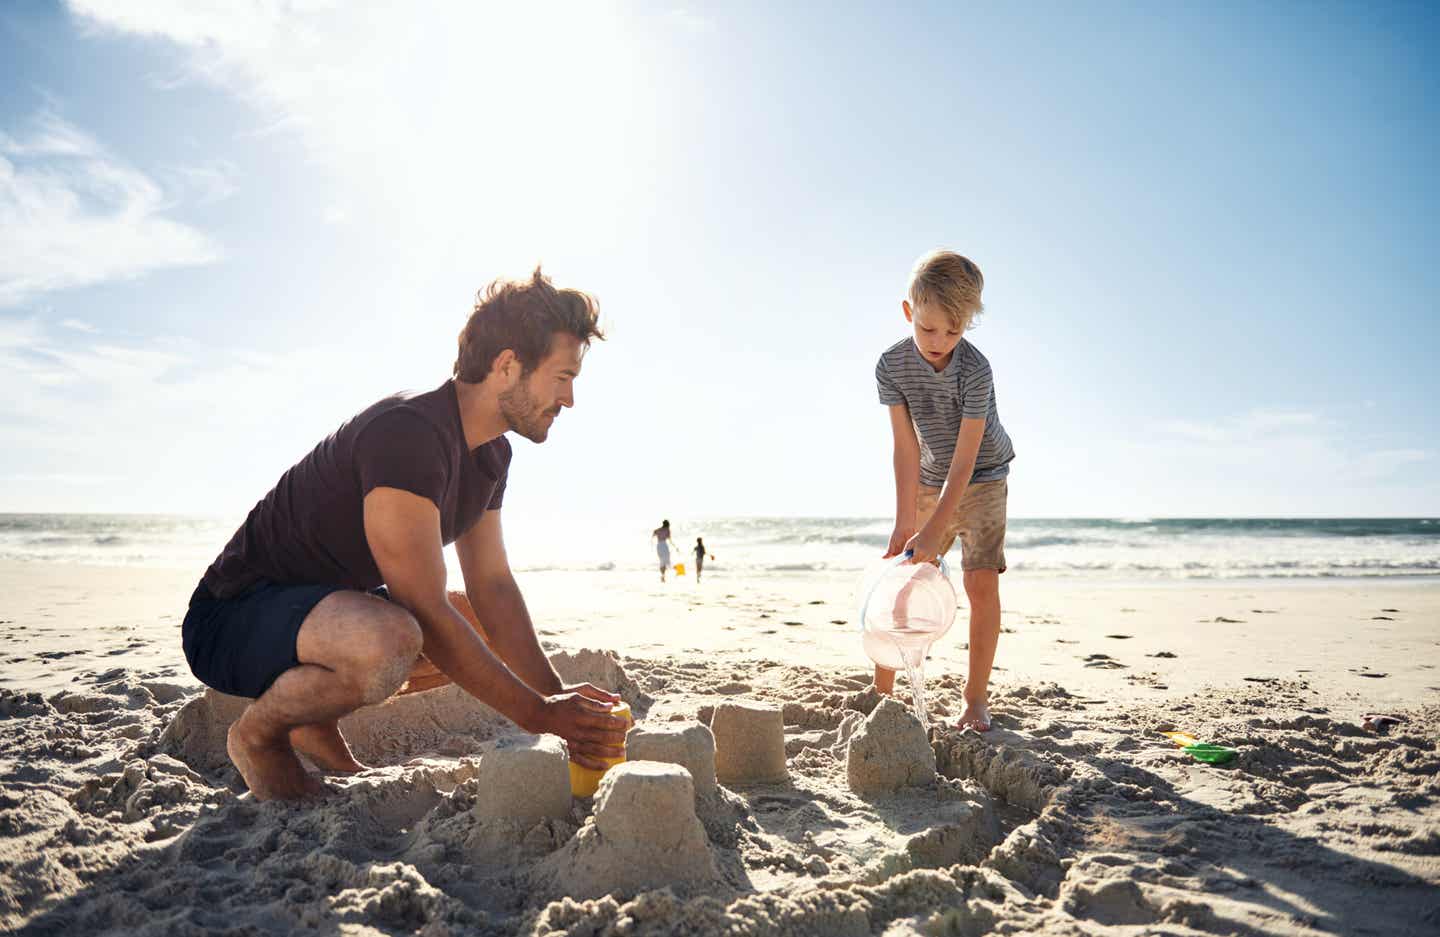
354	650
982	537
982	588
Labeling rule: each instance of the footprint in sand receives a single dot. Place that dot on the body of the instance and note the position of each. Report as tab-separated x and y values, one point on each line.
1381	618
1162	654
792	623
817	602
838	621
1103	662
1120	637
1371	674
1389	609
1063	641
1222	620
1262	679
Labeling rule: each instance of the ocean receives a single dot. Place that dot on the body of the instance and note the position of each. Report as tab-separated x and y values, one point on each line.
1115	549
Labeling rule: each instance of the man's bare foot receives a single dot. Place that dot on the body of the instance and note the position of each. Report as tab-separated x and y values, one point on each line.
976	716
323	744
271	771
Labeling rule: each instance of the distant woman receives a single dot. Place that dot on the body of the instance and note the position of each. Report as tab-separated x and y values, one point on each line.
699	557
661	535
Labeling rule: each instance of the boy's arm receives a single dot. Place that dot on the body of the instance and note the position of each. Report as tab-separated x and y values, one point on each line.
926	543
907	477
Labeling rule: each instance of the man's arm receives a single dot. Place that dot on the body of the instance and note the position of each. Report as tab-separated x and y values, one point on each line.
907	476
499	605
403	533
962	465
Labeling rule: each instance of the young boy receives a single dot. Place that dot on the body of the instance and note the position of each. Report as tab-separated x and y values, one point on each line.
952	455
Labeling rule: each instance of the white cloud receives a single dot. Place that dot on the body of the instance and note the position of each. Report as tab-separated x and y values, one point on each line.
689	22
18	333
63	478
73	214
212	182
468	131
1275	461
132	424
78	325
1256	425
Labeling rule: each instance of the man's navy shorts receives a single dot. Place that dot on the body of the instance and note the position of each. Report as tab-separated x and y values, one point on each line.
241	645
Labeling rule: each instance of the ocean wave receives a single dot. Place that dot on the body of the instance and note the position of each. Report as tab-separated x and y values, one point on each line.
1043	540
1143	548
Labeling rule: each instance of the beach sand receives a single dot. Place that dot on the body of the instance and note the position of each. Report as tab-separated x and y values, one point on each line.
118	812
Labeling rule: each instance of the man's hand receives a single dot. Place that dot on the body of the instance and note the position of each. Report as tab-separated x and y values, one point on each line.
586	725
925	544
899	537
591	691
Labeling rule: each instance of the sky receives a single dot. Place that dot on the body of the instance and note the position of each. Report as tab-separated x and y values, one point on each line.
1207	234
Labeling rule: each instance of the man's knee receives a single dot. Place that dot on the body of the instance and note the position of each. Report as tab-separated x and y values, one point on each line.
384	654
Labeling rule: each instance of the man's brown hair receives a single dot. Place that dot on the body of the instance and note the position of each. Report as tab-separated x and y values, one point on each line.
522	315
944	280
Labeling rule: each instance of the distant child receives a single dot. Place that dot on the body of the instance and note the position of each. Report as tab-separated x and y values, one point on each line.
661	536
700	557
951	454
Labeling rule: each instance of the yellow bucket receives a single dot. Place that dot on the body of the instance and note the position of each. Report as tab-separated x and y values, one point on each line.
679	569
585	781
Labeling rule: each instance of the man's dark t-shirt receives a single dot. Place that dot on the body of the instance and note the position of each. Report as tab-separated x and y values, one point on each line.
310	528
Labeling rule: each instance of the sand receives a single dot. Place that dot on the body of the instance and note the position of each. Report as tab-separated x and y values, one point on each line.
118	812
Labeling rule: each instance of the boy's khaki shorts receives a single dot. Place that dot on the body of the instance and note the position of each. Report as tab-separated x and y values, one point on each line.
979	523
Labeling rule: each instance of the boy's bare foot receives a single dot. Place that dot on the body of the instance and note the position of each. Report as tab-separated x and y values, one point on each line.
271	771
976	716
323	744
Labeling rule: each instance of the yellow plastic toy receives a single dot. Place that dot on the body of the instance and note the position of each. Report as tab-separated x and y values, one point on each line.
679	569
585	781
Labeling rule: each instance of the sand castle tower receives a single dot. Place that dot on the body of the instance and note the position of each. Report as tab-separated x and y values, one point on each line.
644	834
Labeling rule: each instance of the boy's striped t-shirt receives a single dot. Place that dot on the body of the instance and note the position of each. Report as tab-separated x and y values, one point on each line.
939	400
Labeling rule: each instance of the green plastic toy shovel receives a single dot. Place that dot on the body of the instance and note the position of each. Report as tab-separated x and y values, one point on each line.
1201	751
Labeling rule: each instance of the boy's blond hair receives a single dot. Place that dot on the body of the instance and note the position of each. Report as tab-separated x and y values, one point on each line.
946	281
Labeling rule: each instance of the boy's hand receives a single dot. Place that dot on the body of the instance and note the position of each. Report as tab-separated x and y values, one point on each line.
925	546
898	539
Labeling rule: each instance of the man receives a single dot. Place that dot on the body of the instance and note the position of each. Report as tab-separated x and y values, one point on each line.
332	593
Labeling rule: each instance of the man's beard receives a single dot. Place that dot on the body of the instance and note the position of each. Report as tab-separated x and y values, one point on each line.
523	413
